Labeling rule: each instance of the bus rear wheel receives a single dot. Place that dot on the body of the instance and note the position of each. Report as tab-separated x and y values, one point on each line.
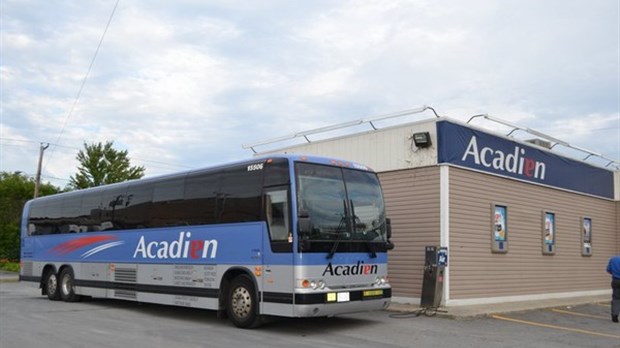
67	291
51	285
242	303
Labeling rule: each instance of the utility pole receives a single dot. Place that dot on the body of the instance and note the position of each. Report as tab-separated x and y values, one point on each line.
37	182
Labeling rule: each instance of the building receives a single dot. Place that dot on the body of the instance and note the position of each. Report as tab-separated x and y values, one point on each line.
520	221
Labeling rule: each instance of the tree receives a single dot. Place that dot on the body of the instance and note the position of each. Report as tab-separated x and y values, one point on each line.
15	189
102	164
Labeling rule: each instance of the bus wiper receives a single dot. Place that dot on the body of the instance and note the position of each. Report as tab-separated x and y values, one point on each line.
335	246
344	222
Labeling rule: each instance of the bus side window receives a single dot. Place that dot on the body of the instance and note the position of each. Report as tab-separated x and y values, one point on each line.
276	173
138	205
114	202
199	206
70	213
239	196
169	208
276	211
53	216
90	211
36	218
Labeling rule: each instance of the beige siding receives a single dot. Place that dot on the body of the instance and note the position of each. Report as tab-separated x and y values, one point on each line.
412	202
383	150
475	272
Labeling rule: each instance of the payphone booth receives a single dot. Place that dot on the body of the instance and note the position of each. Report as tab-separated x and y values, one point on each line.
435	262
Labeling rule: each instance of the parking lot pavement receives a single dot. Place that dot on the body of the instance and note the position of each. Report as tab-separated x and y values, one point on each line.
581	316
115	323
589	319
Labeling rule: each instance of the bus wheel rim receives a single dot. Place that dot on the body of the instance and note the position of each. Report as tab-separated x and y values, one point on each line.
241	302
66	284
52	283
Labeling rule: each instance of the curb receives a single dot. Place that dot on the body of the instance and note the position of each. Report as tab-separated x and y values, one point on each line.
485	311
9	277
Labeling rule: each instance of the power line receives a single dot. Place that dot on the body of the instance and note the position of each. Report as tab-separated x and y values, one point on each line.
37	142
168	164
55	178
77	98
20	140
163	163
16	145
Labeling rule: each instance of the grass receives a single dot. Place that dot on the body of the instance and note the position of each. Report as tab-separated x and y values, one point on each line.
9	266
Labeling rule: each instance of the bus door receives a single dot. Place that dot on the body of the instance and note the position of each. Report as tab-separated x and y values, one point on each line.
278	256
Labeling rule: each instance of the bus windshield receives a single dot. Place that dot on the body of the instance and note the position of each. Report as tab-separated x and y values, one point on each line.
342	204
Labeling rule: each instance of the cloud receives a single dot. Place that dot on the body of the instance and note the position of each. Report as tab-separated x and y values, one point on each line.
188	83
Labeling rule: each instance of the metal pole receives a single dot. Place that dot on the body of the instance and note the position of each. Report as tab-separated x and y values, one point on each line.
37	181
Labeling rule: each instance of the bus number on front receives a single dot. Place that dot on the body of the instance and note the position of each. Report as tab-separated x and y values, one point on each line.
253	167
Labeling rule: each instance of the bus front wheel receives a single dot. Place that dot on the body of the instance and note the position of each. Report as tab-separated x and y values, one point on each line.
242	303
67	291
51	285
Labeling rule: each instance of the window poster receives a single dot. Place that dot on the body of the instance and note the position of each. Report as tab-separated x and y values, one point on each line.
549	230
587	231
499	225
586	236
499	228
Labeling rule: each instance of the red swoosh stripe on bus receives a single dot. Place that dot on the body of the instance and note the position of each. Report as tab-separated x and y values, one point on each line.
75	244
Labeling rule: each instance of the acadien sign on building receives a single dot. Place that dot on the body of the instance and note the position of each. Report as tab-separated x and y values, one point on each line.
471	148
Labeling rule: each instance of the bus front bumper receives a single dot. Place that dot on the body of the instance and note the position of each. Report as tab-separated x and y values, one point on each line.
341	302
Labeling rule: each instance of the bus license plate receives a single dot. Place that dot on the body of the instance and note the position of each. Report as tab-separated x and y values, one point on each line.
343	297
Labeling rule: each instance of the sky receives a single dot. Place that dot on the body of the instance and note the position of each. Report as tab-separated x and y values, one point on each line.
184	84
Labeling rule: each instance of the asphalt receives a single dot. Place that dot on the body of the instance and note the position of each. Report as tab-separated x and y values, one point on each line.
456	312
475	311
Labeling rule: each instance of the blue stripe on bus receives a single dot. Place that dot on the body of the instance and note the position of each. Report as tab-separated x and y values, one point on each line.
240	244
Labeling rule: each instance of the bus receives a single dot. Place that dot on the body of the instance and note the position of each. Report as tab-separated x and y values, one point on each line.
287	235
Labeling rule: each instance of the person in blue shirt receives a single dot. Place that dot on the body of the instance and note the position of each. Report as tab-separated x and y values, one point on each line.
613	268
